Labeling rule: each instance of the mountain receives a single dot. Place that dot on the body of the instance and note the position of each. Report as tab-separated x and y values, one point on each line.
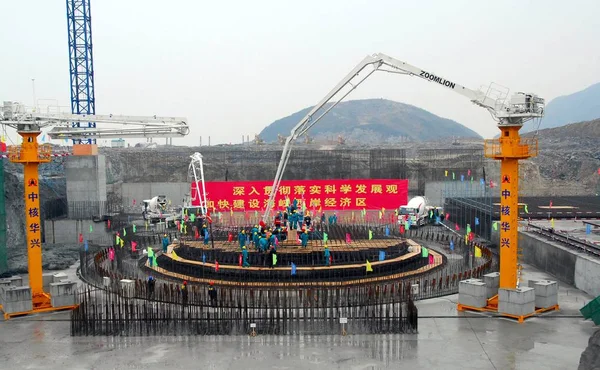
579	130
581	106
373	120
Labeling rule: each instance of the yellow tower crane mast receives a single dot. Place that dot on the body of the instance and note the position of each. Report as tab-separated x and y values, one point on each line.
29	125
510	115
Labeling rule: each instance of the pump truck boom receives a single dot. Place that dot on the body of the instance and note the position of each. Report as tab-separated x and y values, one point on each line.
28	125
509	148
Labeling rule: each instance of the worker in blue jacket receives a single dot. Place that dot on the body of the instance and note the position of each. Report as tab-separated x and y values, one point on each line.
245	257
304	238
327	256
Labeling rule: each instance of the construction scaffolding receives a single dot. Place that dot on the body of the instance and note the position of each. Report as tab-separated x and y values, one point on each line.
3	253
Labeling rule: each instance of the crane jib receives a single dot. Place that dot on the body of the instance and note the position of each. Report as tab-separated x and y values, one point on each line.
434	78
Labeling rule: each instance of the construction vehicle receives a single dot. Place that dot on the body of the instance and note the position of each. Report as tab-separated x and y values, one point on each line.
509	148
416	211
29	124
156	210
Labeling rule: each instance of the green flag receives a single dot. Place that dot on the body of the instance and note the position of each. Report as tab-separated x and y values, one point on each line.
453	176
134	228
424	252
325	237
370	234
91	228
124	232
526	210
274	259
468	228
192	217
495	226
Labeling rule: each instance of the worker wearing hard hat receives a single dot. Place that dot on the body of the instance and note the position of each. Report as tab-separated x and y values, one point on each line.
245	257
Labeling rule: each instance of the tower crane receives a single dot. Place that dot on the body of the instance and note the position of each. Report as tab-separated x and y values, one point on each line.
30	154
509	148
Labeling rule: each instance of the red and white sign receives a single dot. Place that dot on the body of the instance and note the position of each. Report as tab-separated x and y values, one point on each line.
316	194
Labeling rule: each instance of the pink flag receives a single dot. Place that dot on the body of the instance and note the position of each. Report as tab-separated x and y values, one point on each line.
111	254
469	173
134	202
401	229
216	266
456	227
133	245
550	204
348	238
447	217
431	261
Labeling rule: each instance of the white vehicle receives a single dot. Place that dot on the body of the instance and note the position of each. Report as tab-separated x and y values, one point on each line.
156	209
416	210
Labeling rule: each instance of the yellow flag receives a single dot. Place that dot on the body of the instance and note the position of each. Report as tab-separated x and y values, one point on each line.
174	256
446	173
369	268
380	215
3	139
477	252
466	239
552	222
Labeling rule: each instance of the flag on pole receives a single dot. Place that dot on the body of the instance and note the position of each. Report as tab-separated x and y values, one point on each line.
552	222
451	245
468	228
216	266
325	238
526	210
348	238
370	234
274	259
588	229
134	228
369	268
174	256
424	252
85	245
387	231
495	225
124	232
133	246
456	227
203	258
91	228
446	173
453	176
293	268
477	252
382	255
476	221
108	223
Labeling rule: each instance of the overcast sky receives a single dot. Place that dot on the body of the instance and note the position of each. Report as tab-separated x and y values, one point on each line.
232	67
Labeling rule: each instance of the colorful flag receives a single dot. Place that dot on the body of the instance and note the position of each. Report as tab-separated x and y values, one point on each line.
91	228
293	268
124	232
325	238
552	222
468	228
462	177
447	217
456	227
588	229
348	238
424	252
446	172
453	176
108	223
476	221
146	225
85	245
370	234
133	246
387	231
134	228
477	252
174	256
216	266
369	268
382	255
274	259
451	245
550	204
468	172
495	225
526	210
203	258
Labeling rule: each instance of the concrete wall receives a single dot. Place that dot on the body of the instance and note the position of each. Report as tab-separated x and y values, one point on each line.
568	265
175	191
67	231
433	192
86	185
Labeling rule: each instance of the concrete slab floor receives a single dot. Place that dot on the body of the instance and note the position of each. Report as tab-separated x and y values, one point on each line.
575	228
447	339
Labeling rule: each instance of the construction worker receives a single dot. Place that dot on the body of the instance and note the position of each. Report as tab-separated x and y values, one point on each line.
184	293
212	293
304	238
307	219
242	238
273	255
245	257
327	256
206	236
165	243
150	287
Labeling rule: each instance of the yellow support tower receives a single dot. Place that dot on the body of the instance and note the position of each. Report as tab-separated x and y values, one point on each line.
31	155
509	149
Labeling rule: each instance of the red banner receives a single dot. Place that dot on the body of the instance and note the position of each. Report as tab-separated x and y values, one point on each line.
316	194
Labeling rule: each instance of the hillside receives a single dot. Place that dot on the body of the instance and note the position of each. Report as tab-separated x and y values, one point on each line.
373	120
581	106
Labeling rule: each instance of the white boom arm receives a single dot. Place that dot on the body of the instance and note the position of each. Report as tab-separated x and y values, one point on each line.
14	115
521	108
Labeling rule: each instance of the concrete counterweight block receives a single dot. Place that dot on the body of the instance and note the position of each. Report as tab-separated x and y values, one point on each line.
492	282
4	284
128	288
16	280
58	277
516	302
472	292
47	279
546	293
63	293
17	299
